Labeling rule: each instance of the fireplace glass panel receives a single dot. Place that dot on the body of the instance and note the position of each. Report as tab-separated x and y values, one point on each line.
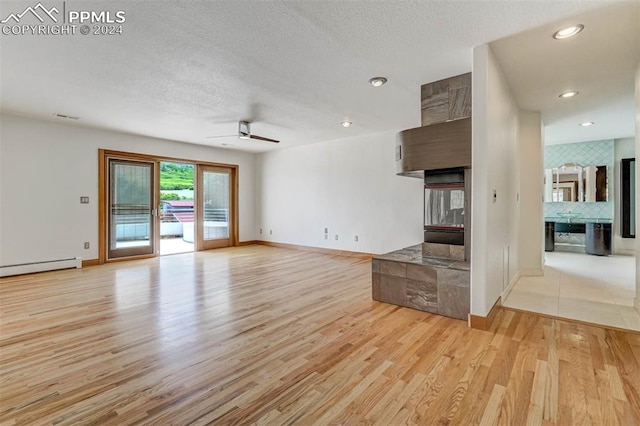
444	208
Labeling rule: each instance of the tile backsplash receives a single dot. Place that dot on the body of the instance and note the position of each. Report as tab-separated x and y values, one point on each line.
602	210
596	153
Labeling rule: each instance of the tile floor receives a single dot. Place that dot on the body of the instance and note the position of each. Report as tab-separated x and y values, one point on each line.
174	246
582	287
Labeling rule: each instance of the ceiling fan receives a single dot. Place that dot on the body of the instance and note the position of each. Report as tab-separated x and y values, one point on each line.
244	132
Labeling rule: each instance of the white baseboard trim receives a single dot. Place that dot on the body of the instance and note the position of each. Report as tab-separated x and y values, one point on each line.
512	283
532	272
623	252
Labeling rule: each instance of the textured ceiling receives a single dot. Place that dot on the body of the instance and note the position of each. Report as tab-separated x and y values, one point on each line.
185	70
600	63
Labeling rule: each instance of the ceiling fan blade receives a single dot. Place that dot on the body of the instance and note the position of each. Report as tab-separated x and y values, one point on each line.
261	138
223	136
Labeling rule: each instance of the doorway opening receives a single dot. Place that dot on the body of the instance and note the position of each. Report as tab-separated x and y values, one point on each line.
177	195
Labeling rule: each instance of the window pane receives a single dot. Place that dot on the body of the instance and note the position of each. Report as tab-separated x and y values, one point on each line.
130	205
444	207
215	205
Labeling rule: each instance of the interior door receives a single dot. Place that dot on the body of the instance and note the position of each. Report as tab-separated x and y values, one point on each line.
131	208
214	216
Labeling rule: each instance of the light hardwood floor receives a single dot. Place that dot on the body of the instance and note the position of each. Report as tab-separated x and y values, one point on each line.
274	336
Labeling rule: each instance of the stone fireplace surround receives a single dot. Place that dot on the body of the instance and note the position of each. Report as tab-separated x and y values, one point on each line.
432	277
432	284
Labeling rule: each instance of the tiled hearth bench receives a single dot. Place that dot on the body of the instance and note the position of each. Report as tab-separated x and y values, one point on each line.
430	284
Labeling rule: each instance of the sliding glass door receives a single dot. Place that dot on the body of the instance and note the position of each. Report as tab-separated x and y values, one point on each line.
131	211
214	213
198	205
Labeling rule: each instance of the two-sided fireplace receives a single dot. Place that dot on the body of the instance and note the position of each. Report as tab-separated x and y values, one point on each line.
435	276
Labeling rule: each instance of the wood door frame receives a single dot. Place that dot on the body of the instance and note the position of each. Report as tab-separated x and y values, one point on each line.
154	223
232	224
103	183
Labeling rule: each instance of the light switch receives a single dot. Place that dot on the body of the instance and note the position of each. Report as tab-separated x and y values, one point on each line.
84	199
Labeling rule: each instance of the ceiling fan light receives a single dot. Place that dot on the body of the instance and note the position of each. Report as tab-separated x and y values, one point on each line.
243	130
568	94
377	81
568	32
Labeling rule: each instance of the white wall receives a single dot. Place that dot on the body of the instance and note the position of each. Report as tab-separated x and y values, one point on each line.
623	148
637	303
347	185
531	207
44	169
495	161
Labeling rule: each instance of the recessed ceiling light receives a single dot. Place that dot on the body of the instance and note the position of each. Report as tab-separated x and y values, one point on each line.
587	124
568	94
346	123
377	81
68	117
568	32
227	144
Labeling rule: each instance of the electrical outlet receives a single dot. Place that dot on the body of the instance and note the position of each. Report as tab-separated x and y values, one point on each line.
355	238
326	230
270	232
86	245
336	237
260	230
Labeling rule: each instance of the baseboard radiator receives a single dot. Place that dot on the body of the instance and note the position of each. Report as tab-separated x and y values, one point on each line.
50	265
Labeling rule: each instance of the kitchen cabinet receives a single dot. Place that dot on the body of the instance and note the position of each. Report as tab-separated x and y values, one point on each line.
570	228
598	239
549	236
